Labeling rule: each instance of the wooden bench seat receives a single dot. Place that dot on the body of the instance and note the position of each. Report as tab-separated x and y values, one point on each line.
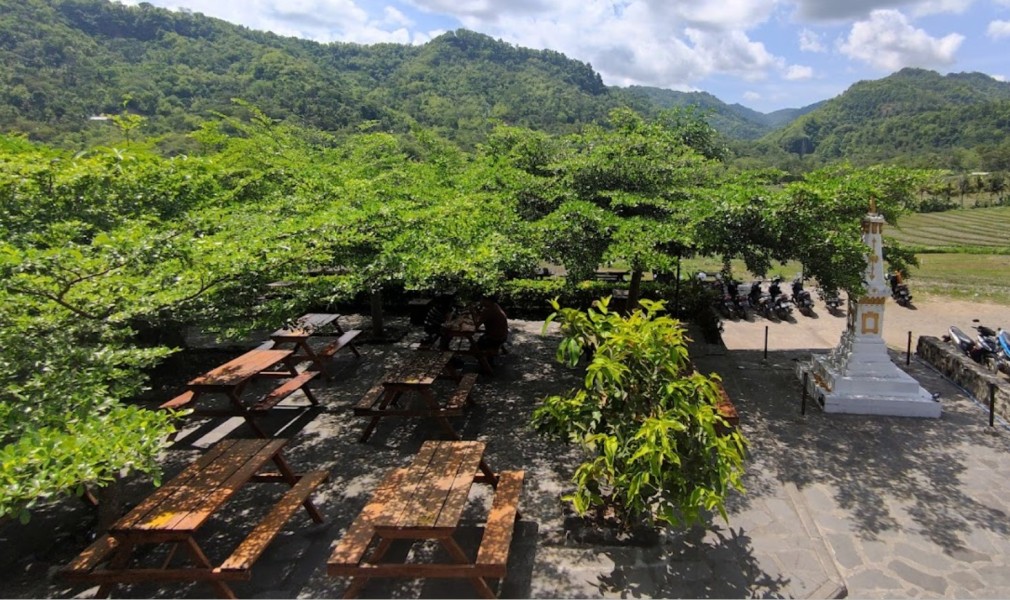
346	339
285	390
492	556
179	401
92	556
255	543
350	550
366	405
461	395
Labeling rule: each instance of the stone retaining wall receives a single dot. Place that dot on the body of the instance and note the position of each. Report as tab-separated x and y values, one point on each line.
965	372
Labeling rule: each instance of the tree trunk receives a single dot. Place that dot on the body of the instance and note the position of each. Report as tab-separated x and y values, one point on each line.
378	325
634	290
110	505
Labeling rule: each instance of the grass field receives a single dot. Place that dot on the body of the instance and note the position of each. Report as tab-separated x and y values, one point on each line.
956	230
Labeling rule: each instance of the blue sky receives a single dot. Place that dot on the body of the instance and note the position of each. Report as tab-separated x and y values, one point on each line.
764	54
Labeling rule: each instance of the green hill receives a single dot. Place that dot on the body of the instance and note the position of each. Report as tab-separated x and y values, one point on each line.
914	116
64	61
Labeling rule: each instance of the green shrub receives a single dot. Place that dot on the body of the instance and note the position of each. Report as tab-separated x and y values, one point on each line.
644	415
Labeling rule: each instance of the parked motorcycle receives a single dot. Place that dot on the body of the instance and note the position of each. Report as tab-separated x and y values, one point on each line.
759	301
991	353
964	342
899	291
801	297
831	299
1003	339
781	305
731	300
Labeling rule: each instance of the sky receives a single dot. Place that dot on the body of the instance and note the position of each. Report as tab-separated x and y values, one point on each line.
763	54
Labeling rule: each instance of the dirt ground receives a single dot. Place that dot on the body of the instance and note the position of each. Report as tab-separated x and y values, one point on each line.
929	316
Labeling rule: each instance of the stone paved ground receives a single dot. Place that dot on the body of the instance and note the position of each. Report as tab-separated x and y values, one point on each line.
909	508
884	507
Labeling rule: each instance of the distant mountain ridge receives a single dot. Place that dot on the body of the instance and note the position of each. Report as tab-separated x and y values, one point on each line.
62	61
913	112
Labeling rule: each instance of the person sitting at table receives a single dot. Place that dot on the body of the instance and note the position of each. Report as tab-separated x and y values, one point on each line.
440	310
495	322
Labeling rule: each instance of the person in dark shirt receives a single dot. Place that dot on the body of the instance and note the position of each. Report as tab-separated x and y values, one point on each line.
495	322
439	311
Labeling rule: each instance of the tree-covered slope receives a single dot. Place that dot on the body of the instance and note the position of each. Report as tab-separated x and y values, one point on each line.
913	115
64	61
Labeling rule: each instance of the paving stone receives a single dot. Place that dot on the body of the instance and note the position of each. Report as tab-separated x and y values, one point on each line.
931	583
875	551
928	558
966	580
844	549
870	579
968	555
994	575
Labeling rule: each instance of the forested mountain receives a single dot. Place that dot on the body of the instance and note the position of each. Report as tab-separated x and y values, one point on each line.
917	117
64	61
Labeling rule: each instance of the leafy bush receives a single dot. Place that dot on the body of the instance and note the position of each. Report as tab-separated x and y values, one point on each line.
935	204
645	416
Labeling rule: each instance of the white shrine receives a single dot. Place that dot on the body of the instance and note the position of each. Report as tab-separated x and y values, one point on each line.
858	376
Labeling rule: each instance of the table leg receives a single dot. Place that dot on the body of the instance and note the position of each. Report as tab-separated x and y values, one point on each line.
118	561
359	581
233	395
389	397
450	545
223	591
311	355
289	476
443	422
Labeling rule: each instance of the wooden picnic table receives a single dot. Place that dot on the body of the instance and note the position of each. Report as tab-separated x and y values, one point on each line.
425	501
231	379
460	331
417	376
176	511
315	325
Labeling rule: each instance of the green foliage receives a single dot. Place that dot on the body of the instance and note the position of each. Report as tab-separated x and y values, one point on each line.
914	117
646	418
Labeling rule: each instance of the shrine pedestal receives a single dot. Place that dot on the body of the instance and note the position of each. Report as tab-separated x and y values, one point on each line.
858	376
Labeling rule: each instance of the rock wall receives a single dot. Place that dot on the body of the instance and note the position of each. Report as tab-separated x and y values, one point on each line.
965	372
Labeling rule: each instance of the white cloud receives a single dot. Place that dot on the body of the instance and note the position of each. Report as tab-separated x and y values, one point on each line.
647	42
751	96
797	72
732	52
844	10
810	41
889	42
999	77
934	7
838	10
998	29
392	16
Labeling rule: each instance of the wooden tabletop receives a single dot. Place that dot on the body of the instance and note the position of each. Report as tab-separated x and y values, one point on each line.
240	369
463	324
305	326
434	491
423	368
183	504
